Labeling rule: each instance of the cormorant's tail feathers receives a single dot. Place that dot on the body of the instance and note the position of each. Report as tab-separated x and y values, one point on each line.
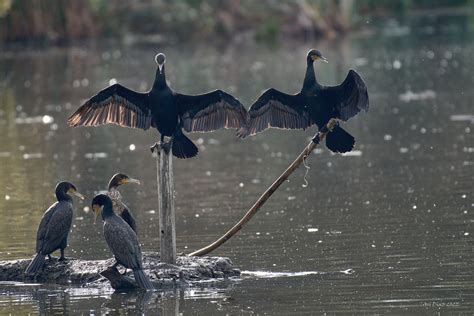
339	141
143	280
36	264
182	146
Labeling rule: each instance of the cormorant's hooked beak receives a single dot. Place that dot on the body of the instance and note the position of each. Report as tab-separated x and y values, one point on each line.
317	57
97	209
324	59
74	192
130	180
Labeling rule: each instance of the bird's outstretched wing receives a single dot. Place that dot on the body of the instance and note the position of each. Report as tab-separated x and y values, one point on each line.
114	105
276	109
350	97
211	111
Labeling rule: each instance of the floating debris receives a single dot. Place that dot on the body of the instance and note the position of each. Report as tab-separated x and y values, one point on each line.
418	96
269	274
313	230
132	147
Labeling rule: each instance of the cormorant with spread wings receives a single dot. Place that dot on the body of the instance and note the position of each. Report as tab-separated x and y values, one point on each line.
164	109
314	104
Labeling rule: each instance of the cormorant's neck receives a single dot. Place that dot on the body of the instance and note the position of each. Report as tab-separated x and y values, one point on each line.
160	78
62	196
310	77
107	211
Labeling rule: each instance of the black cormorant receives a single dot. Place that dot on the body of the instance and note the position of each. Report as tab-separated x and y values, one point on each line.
54	227
164	109
121	240
119	207
314	104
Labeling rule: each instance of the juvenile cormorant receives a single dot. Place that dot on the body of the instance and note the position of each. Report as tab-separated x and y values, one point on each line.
119	207
314	104
54	227
164	109
121	240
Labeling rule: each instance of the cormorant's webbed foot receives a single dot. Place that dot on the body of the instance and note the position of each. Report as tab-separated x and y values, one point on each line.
155	146
165	145
62	258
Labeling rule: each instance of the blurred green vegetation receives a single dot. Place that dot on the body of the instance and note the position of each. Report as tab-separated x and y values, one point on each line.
61	20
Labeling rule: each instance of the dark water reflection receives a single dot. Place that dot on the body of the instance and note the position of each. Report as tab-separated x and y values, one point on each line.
387	228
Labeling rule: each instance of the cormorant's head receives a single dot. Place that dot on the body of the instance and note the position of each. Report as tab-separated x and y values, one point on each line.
314	55
100	202
160	60
119	178
64	187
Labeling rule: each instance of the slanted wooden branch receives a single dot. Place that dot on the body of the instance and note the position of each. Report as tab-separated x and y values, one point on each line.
266	195
164	178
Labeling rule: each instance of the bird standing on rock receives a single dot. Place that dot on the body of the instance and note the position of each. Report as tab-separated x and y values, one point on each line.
168	111
314	104
54	227
121	240
119	207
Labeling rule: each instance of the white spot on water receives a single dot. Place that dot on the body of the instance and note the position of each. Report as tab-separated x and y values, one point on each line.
95	155
196	215
403	150
397	64
290	198
47	119
417	96
387	137
132	147
466	234
151	212
462	118
241	184
7	197
86	209
313	230
32	156
354	153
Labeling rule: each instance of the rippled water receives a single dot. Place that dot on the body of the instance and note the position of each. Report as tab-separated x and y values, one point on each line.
386	228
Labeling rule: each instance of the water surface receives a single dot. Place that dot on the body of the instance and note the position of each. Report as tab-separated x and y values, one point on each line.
387	228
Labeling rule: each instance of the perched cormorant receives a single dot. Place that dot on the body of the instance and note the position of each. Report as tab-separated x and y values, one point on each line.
121	240
314	104
164	109
119	207
54	227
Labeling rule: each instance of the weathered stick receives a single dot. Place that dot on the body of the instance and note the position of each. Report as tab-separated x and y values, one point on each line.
164	178
253	210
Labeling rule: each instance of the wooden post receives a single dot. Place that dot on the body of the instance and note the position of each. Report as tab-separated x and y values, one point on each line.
266	195
164	178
